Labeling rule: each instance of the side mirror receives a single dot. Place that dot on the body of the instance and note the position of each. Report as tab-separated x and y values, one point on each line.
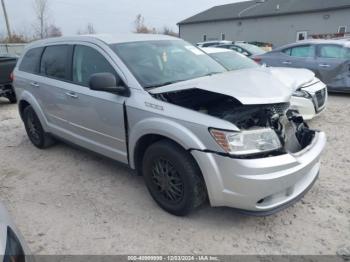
107	82
245	53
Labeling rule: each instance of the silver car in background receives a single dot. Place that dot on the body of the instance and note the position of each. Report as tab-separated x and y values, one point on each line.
193	130
328	59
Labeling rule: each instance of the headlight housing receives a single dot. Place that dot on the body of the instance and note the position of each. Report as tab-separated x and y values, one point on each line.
247	142
302	93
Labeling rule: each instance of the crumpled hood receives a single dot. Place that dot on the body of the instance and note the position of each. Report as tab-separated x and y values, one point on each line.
294	78
250	86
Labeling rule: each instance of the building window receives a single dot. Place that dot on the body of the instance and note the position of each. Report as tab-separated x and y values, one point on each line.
223	36
204	38
301	36
342	29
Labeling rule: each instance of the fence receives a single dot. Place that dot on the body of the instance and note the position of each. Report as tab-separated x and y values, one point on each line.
11	49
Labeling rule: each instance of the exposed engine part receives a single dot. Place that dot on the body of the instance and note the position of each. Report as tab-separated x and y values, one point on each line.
293	132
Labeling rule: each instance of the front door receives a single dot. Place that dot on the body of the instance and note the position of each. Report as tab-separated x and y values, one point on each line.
96	118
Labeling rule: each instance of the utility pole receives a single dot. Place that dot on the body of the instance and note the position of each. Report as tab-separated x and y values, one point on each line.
6	19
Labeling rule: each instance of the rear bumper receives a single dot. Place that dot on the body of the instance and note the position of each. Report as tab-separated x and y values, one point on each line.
261	185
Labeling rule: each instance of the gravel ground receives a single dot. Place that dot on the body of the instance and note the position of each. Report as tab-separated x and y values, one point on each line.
68	201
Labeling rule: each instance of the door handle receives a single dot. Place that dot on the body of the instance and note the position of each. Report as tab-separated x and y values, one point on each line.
72	95
287	62
34	84
324	65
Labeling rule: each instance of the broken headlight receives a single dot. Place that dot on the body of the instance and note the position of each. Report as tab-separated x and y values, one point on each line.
247	142
302	93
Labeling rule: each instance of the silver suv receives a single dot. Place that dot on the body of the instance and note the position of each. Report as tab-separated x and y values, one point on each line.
162	106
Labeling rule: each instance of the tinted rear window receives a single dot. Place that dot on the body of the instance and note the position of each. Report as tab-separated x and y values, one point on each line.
31	60
54	62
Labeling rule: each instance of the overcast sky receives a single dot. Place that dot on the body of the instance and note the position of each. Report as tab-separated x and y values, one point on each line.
107	16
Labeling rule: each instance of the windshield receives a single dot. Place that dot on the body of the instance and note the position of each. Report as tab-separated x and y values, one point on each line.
233	61
159	63
255	50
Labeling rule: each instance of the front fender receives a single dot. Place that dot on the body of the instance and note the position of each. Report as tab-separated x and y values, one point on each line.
30	99
163	127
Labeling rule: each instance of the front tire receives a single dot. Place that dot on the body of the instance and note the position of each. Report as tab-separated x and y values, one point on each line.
173	178
34	129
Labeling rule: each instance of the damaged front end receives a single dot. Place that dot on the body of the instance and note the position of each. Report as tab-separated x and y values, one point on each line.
265	129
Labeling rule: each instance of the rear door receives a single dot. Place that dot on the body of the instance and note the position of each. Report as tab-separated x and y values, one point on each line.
96	118
50	85
333	66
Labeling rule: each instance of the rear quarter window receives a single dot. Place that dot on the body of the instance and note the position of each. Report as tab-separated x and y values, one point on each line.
54	62
31	60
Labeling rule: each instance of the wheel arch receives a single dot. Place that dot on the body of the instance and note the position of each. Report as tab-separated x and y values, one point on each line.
28	99
149	131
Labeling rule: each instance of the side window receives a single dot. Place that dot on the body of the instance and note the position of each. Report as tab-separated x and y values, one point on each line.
301	36
332	51
287	51
303	51
347	53
236	48
342	29
223	36
54	62
88	61
31	61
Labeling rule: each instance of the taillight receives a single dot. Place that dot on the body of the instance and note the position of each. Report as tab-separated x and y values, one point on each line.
12	77
257	59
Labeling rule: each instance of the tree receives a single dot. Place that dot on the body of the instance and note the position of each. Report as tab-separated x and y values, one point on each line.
140	26
53	31
168	31
41	11
89	30
15	38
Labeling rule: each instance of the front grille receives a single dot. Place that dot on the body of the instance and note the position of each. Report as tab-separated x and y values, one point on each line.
321	98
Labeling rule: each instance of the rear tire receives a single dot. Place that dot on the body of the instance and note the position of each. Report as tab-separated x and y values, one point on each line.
34	129
173	178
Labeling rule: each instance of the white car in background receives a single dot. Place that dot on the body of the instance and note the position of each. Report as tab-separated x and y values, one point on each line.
12	245
309	93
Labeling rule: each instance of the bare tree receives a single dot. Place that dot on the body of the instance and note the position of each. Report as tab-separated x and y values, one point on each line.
140	26
89	30
168	31
41	11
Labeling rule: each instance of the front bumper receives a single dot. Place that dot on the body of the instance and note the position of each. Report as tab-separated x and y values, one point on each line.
261	185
